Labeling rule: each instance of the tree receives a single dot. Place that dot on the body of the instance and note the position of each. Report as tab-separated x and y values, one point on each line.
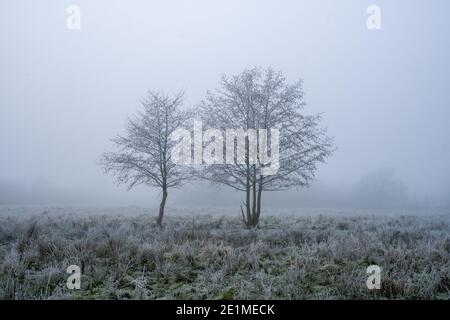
261	101
380	189
143	155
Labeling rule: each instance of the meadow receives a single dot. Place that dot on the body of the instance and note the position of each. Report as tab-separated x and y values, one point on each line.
205	254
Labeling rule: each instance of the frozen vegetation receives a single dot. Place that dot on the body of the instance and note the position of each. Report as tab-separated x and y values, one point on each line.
203	254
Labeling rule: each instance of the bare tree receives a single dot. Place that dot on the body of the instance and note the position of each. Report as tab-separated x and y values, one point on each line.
256	100
380	189
143	155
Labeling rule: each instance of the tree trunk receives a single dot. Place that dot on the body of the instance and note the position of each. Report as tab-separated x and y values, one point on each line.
247	198
248	186
258	205
161	208
254	198
247	206
256	191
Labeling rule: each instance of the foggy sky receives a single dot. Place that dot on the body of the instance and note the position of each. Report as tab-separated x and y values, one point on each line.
384	94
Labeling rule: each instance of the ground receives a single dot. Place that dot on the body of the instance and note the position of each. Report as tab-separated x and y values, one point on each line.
201	254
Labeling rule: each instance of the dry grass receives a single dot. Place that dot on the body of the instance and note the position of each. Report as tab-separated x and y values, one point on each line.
210	256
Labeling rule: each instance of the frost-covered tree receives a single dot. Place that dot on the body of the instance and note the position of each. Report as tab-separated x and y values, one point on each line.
144	154
261	99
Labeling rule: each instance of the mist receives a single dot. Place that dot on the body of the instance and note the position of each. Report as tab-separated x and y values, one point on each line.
384	94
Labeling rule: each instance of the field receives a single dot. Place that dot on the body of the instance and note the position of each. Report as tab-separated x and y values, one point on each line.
203	254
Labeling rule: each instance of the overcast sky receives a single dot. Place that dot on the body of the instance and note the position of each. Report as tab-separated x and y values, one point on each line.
384	94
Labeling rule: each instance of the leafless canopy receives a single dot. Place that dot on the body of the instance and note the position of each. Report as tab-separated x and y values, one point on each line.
143	154
257	99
